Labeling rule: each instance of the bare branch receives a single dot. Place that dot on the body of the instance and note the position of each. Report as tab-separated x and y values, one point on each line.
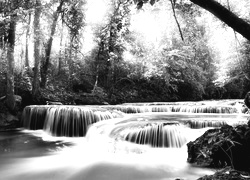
176	20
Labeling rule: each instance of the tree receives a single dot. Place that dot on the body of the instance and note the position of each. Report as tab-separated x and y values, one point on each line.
10	99
27	64
225	15
37	41
111	44
45	63
232	20
73	17
11	13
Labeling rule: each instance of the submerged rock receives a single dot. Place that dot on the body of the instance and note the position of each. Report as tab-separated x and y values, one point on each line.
225	146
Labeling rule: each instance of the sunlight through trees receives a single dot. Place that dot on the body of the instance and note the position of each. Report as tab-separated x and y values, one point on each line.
124	50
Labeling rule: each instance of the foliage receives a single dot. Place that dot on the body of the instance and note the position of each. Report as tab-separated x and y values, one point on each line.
123	65
245	59
238	83
225	146
23	81
73	17
141	90
110	39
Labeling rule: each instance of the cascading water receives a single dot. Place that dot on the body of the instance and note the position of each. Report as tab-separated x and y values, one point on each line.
33	117
64	120
129	109
169	130
191	107
158	135
112	141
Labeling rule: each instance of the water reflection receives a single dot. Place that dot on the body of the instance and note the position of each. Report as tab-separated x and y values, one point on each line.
21	143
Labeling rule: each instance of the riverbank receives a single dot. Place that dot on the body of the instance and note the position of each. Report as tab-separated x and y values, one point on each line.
226	149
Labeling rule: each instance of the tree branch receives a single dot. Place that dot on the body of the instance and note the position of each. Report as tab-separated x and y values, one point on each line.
225	15
176	20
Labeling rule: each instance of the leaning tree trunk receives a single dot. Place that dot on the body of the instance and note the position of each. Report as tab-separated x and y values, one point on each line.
10	98
238	24
46	62
35	83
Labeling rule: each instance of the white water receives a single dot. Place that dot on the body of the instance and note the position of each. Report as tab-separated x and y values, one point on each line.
36	155
98	158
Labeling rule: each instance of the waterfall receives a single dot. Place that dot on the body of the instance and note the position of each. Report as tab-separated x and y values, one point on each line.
158	135
64	120
198	124
154	132
33	117
219	109
155	124
163	129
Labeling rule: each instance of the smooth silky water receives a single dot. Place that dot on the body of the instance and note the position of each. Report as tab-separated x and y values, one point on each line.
114	145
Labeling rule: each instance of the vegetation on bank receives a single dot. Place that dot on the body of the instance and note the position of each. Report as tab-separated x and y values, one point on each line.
52	59
226	149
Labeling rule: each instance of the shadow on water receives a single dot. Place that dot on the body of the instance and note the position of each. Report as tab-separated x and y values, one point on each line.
17	143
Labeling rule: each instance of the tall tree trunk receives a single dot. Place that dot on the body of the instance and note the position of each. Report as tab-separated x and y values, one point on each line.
10	98
2	56
27	42
70	60
110	61
239	25
45	63
35	83
60	59
97	67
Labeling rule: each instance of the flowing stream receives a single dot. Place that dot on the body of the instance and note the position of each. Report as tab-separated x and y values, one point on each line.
123	142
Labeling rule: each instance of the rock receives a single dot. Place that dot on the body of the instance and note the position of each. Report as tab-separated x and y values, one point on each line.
8	121
18	101
225	146
227	174
247	100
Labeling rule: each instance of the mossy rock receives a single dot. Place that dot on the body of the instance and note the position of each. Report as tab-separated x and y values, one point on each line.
225	146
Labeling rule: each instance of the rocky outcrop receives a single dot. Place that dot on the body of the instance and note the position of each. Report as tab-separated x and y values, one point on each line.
225	146
227	174
10	120
247	99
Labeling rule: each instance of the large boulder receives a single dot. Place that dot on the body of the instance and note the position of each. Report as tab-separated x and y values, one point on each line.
227	174
225	146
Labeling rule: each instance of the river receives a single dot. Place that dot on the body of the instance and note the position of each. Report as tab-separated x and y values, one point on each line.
38	154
